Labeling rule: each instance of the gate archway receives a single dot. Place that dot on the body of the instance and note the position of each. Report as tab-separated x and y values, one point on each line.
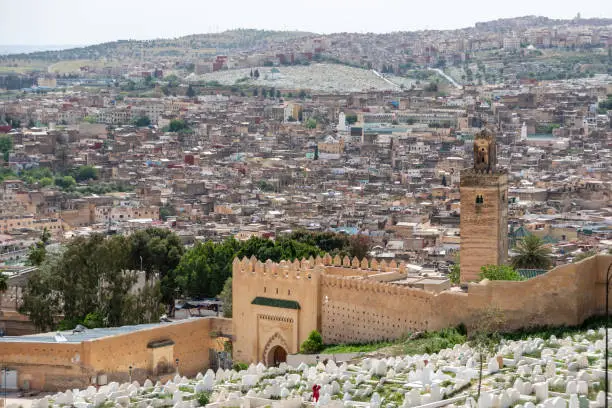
275	351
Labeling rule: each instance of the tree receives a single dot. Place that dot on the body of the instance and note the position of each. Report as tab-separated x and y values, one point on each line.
255	92
311	123
484	337
38	251
351	119
6	145
359	246
316	153
444	183
272	93
85	173
499	272
65	183
176	125
531	254
302	94
256	74
204	269
142	121
190	92
157	251
313	344
454	274
226	298
264	93
278	93
92	277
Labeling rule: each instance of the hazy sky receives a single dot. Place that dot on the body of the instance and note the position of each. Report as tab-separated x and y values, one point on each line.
27	22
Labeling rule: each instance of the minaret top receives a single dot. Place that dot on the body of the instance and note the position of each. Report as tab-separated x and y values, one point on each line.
485	152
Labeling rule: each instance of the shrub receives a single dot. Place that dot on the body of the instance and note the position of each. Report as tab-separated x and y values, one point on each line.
203	398
313	344
238	366
500	272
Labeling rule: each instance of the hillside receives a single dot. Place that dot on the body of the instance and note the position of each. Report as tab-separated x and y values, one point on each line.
225	42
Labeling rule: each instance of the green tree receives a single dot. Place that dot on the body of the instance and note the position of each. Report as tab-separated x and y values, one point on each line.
166	211
531	253
176	125
255	92
311	123
142	121
90	277
89	119
226	298
351	119
38	251
316	153
6	145
454	274
313	344
190	92
264	93
499	272
85	173
65	182
204	269
278	93
444	182
157	251
302	94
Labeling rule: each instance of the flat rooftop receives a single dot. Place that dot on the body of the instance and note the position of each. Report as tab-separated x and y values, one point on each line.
88	334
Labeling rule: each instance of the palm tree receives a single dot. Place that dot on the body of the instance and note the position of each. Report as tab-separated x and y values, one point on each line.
531	254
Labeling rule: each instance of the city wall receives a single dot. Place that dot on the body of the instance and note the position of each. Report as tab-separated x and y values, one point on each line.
354	309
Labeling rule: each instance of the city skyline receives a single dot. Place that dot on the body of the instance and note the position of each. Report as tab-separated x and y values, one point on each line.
70	22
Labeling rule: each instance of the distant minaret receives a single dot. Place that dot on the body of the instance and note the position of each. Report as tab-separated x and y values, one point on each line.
523	132
341	122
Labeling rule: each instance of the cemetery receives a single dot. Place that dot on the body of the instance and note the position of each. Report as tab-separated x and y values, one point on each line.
537	372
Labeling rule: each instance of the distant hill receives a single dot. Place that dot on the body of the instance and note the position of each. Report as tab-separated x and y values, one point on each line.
227	41
20	49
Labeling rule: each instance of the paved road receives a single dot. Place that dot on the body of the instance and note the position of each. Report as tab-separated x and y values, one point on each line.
449	79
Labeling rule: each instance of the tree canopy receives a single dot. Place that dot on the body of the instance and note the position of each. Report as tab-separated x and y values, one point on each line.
6	145
95	276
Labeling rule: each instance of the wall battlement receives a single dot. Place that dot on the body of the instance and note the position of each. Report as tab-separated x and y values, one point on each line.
306	267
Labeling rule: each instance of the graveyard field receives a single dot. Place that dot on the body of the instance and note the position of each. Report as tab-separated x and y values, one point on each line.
550	372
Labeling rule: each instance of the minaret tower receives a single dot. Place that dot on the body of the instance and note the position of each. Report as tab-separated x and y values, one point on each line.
484	210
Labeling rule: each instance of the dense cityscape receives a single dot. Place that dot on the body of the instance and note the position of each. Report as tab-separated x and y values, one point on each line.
418	218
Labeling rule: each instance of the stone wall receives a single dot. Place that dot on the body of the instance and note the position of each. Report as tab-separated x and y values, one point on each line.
355	309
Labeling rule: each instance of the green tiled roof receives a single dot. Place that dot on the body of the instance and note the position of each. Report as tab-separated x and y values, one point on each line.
531	273
282	303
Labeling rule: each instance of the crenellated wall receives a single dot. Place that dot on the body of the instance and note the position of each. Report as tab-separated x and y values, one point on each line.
337	298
